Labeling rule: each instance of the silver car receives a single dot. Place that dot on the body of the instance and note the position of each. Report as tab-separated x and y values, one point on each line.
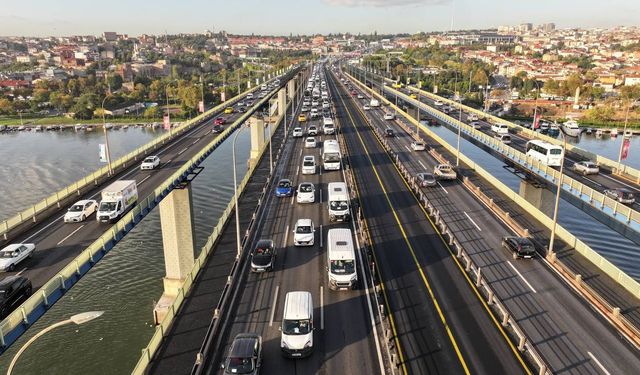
426	179
586	167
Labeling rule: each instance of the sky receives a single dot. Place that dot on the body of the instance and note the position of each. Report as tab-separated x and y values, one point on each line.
284	17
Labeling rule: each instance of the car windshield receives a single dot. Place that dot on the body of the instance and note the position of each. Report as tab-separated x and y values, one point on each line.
308	163
76	208
303	229
9	254
107	206
296	327
589	165
305	188
263	251
342	266
331	157
148	160
284	184
338	205
237	365
526	248
626	194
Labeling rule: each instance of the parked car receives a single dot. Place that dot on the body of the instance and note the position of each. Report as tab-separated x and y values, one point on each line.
80	211
388	132
263	256
306	193
13	291
219	121
426	179
389	116
418	146
586	167
297	132
310	142
245	355
622	195
13	254
150	162
303	233
284	188
521	247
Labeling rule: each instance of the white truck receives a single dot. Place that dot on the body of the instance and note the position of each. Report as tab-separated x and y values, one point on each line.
374	103
117	199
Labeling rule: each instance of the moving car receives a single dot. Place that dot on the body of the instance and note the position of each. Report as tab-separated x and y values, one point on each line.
426	179
413	96
80	211
475	124
586	167
284	188
366	107
504	138
360	96
116	200
312	130
219	121
245	355
388	132
13	254
389	116
473	117
500	128
150	162
296	339
218	128
297	132
303	233
306	193
308	164
228	110
438	103
13	291
418	146
622	195
310	142
302	117
444	172
263	256
521	247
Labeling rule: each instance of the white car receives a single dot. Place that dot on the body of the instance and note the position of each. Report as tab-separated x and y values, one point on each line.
80	211
312	130
304	109
360	96
473	117
150	162
475	125
297	132
310	142
586	167
309	164
13	254
438	103
389	116
418	146
326	105
303	233
306	193
366	107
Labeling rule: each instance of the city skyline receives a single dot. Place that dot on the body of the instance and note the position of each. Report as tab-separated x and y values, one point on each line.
315	17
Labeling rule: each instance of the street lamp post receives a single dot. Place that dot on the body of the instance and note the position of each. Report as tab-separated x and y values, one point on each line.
455	88
106	137
235	192
77	319
557	202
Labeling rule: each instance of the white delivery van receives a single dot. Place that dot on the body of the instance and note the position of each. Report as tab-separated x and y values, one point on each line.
331	156
374	103
341	260
296	338
500	128
117	199
328	127
338	202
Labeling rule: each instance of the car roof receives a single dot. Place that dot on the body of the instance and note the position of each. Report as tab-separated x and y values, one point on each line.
303	222
84	201
521	240
10	280
309	157
243	345
264	244
13	246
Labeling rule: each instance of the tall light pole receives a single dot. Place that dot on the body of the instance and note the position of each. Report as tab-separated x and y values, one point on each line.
77	319
202	92
270	149
558	190
455	89
235	192
106	137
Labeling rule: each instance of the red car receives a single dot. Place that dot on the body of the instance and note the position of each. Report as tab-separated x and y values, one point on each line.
354	92
219	121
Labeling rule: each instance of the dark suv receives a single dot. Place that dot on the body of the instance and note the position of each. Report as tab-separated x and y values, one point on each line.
388	132
13	290
522	247
245	355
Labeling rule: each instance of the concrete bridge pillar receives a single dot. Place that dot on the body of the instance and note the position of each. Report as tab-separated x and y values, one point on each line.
176	219
540	197
282	97
257	138
291	87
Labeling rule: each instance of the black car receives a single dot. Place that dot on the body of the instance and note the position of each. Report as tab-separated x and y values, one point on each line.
245	355
263	256
388	132
13	290
218	128
522	247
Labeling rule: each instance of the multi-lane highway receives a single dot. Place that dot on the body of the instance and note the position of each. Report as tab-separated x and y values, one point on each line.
57	242
345	341
570	334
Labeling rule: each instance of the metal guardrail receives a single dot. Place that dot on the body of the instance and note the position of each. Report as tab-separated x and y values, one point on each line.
35	306
623	171
612	208
73	191
628	283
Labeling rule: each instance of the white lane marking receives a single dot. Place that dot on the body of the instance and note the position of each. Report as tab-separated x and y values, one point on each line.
321	236
286	235
292	199
144	179
598	363
474	223
47	226
21	271
588	179
297	171
71	234
405	146
194	142
300	153
320	190
522	277
183	150
273	307
165	164
321	307
445	190
422	165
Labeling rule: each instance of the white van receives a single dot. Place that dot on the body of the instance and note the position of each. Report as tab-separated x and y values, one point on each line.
500	128
504	138
328	127
296	339
338	202
341	260
250	95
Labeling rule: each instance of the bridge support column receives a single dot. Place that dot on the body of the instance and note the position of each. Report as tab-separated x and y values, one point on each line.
257	138
291	88
540	197
282	97
176	219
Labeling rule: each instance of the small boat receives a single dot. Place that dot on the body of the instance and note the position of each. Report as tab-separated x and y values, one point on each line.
571	128
125	126
614	132
108	126
628	134
49	127
21	128
599	133
3	128
78	127
589	130
88	128
38	128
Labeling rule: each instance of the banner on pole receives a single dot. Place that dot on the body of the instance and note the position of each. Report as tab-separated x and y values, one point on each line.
536	121
102	153
166	120
626	144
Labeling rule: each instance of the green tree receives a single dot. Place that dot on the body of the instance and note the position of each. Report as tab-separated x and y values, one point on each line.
6	107
516	82
601	114
551	87
152	112
115	82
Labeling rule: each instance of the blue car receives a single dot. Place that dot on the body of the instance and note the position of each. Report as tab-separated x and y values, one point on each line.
284	188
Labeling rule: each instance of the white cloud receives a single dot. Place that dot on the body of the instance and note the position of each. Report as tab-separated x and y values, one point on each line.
384	3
